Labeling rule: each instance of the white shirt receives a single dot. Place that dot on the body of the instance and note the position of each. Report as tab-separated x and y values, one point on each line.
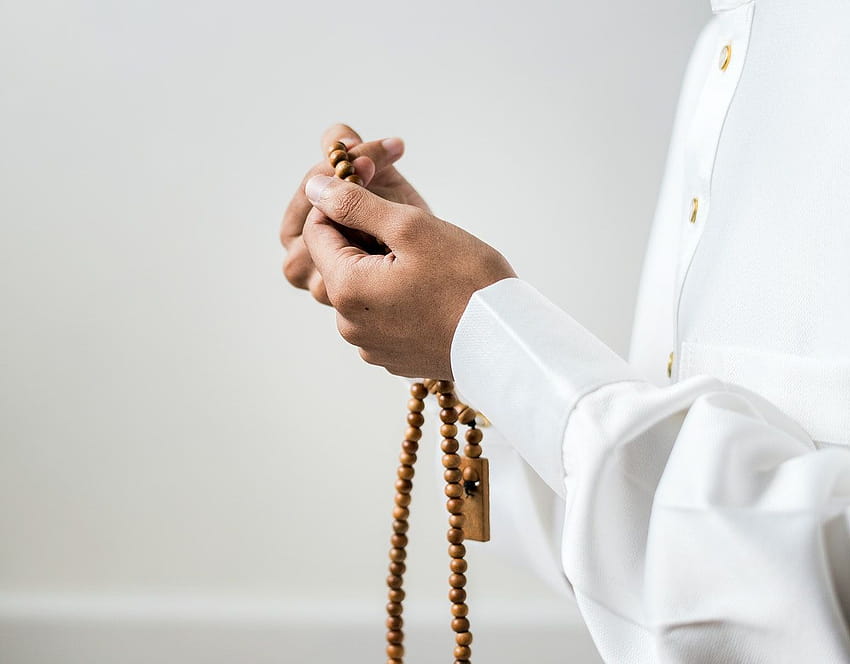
702	517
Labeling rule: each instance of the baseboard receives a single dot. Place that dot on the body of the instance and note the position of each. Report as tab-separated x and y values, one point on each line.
80	629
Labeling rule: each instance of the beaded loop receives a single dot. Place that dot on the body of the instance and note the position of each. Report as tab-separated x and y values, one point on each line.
459	484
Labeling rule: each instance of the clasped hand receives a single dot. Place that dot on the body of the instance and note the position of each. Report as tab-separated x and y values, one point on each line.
401	308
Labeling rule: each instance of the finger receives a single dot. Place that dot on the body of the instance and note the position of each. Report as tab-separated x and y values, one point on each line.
298	266
369	158
317	289
339	132
299	207
382	154
328	247
365	168
357	207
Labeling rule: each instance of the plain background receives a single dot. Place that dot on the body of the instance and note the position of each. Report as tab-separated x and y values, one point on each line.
182	435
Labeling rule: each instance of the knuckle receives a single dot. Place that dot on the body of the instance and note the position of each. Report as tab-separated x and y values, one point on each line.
348	301
348	330
296	273
369	357
408	224
347	204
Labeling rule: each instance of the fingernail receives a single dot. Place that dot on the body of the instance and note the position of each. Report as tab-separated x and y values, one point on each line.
315	186
394	146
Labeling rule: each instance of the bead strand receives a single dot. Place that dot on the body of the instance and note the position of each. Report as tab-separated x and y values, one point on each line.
458	482
401	513
454	505
343	168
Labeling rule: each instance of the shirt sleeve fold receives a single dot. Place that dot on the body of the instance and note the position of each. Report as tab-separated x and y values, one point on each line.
525	363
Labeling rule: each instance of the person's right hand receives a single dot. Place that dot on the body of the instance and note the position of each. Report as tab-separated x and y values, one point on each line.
374	163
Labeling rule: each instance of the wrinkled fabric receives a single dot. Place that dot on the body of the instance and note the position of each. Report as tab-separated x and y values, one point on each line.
701	518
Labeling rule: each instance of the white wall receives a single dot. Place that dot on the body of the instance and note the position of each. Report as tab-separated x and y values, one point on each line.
180	429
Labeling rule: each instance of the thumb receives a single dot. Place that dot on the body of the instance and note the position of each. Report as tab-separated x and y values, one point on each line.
328	247
357	207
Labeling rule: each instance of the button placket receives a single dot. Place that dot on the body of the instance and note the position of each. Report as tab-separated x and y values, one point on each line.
732	34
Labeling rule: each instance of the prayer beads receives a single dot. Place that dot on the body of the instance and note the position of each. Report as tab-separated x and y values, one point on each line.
466	487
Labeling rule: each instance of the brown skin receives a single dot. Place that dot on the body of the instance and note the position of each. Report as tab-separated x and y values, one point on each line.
401	309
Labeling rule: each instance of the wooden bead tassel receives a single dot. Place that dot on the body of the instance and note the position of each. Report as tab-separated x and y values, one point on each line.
466	487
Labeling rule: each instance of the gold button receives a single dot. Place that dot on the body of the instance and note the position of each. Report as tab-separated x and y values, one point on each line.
725	57
694	210
670	365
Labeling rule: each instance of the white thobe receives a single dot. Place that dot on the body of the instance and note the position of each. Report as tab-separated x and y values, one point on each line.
701	517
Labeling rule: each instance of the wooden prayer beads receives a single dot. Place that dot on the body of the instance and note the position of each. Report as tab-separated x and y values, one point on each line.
466	490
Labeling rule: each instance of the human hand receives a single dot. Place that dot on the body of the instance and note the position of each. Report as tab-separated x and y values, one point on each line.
401	309
373	162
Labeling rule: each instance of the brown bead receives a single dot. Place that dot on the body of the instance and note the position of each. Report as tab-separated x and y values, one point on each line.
415	405
472	451
452	475
448	431
343	169
474	436
411	446
457	565
451	460
457	551
398	541
396	595
460	610
400	526
400	512
445	386
447	400
405	472
454	490
415	419
394	622
413	433
466	415
418	391
394	609
395	636
457	520
462	652
398	660
397	569
398	555
337	156
457	580
430	384
457	595
448	416
394	582
403	486
449	445
396	650
460	625
454	505
456	661
402	499
470	474
355	179
455	536
407	458
338	145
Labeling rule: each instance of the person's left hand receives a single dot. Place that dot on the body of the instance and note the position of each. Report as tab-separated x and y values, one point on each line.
401	309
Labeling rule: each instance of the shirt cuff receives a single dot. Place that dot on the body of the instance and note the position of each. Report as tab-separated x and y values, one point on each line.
525	363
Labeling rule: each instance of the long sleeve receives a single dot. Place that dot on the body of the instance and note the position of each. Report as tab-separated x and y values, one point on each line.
701	523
